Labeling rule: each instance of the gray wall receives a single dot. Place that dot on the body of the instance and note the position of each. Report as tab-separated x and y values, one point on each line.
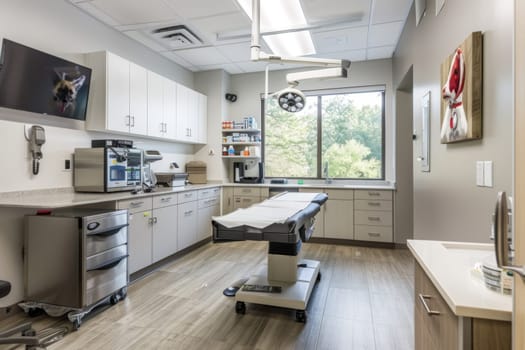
447	203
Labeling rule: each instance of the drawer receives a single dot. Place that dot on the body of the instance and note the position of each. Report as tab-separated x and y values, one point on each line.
136	205
99	242
374	218
362	204
208	202
106	279
373	233
165	200
208	193
340	194
187	196
247	191
373	194
244	202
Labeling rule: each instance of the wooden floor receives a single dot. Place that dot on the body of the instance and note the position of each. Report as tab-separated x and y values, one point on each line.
363	301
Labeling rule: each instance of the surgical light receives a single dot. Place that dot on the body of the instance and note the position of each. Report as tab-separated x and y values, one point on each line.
291	99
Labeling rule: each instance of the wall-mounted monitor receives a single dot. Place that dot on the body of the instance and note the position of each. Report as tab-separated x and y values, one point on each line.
35	81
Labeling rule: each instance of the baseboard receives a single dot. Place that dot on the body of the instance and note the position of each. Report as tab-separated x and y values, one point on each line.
8	311
352	242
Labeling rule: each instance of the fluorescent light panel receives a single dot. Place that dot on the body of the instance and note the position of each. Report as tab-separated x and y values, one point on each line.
281	15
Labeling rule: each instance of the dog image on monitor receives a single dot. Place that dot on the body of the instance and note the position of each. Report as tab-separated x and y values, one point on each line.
65	91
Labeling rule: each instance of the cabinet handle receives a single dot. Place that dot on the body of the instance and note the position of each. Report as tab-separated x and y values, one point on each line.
423	299
153	220
374	193
188	195
374	218
188	212
246	190
374	204
204	192
132	121
127	120
136	204
165	199
374	234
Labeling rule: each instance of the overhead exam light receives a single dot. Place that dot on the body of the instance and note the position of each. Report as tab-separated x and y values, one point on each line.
291	99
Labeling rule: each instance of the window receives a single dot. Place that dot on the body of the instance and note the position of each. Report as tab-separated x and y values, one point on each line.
338	134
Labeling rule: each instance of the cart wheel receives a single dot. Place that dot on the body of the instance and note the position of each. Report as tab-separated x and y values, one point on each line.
300	316
29	332
123	293
76	324
114	299
34	312
240	307
319	276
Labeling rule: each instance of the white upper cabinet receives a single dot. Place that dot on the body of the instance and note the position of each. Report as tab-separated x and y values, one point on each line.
155	108
126	98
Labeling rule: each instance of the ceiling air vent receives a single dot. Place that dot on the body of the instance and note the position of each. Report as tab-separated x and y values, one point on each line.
177	37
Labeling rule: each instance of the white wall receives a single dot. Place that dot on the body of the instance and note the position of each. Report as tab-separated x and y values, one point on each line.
248	88
447	203
59	28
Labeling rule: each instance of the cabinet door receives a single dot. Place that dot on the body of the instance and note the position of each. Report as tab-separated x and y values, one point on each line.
204	221
227	200
139	241
164	232
202	119
138	99
169	111
155	101
187	225
118	118
193	115
182	113
339	219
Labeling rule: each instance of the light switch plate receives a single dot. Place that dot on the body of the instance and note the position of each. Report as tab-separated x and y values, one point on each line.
480	168
487	173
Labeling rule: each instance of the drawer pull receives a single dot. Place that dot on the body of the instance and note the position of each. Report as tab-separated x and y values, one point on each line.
165	199
374	204
153	220
136	204
374	193
246	190
188	195
204	192
374	234
109	264
189	212
109	232
374	218
423	299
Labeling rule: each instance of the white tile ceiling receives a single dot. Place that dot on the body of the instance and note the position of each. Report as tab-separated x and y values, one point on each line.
356	30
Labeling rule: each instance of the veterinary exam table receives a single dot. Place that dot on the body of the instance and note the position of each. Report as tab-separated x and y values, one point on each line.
285	221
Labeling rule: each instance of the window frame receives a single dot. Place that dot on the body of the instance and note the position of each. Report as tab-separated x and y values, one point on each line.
319	93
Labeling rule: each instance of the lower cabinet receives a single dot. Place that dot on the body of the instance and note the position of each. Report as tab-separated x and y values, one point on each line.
139	240
245	196
319	218
438	328
339	214
187	224
209	205
164	232
227	200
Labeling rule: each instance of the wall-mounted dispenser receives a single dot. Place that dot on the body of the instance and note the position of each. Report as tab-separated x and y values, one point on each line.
36	138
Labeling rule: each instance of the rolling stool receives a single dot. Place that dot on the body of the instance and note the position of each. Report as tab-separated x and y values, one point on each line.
27	335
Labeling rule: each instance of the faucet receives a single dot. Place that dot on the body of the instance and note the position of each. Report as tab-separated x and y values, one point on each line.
327	179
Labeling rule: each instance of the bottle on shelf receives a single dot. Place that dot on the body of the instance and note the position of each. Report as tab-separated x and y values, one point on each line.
231	151
224	151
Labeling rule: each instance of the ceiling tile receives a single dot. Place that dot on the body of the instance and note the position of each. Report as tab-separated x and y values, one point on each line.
376	53
385	11
228	67
236	52
203	56
351	55
249	66
177	59
356	11
384	34
135	11
203	8
339	40
98	14
231	22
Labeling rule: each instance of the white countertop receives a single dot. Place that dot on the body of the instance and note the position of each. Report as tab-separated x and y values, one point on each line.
449	266
66	197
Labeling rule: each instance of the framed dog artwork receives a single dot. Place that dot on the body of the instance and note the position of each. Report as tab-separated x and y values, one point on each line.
462	92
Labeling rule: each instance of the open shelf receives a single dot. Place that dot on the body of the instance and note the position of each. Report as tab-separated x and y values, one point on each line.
241	143
241	130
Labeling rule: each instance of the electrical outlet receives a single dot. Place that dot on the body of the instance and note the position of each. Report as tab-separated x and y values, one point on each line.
67	165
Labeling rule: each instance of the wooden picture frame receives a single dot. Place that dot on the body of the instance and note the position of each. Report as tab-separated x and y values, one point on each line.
462	92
